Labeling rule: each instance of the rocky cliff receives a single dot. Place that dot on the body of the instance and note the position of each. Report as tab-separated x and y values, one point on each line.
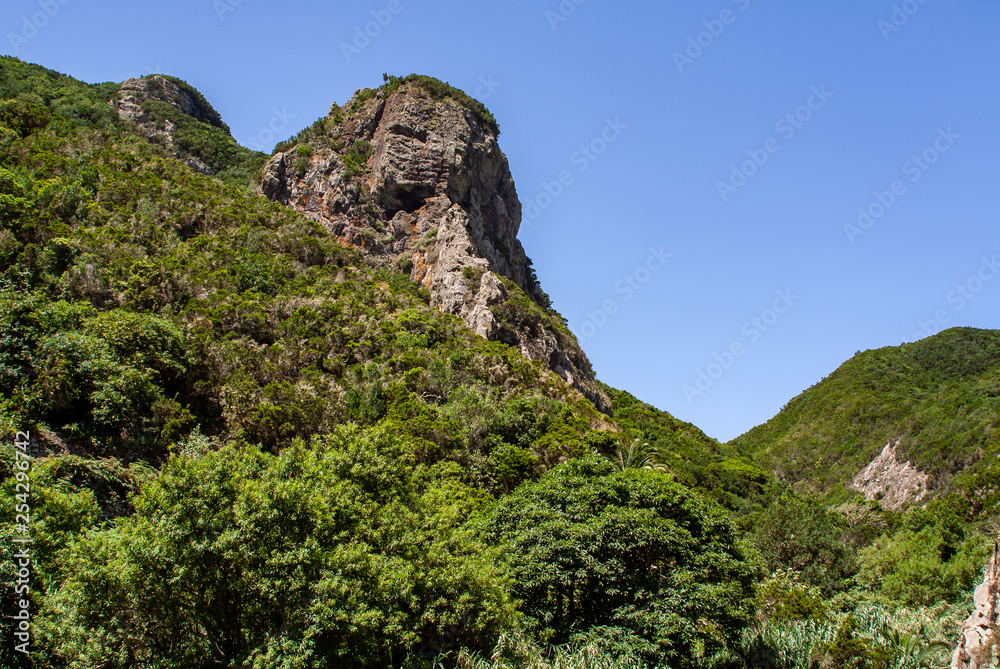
892	483
977	645
412	174
138	101
169	112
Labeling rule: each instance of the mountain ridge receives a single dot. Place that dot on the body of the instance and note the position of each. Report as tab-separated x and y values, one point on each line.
938	396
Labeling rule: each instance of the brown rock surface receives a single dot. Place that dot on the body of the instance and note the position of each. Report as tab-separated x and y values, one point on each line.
892	483
418	180
978	642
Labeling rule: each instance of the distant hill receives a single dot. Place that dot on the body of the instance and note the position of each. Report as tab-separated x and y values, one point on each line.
940	397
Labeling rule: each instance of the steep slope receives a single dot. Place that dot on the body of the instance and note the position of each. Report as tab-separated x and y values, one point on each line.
939	397
170	112
145	304
151	308
411	174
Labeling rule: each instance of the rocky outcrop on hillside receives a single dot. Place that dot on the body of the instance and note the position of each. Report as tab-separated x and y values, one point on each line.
137	99
415	178
978	642
892	483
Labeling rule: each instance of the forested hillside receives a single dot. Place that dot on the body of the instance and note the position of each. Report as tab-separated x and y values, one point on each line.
257	444
940	397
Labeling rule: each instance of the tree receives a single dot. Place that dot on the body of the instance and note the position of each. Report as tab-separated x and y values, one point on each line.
333	552
803	536
628	556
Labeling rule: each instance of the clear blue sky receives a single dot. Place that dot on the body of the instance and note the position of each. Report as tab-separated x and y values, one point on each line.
890	95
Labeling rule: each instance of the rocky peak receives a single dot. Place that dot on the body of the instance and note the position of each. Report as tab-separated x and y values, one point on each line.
131	100
413	175
153	104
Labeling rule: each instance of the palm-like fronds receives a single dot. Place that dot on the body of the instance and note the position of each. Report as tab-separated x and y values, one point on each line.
636	455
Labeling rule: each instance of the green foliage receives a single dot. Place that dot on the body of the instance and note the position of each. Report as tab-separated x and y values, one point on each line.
356	158
783	597
100	377
868	636
66	497
801	535
334	551
42	94
849	651
630	555
932	558
514	651
695	459
635	455
933	394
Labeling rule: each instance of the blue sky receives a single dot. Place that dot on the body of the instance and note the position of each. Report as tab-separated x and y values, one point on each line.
737	137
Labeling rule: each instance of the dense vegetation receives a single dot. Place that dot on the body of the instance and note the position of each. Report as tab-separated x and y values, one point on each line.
203	135
261	451
940	396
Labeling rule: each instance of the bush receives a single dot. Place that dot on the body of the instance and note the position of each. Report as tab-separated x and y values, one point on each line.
801	535
631	556
339	551
929	560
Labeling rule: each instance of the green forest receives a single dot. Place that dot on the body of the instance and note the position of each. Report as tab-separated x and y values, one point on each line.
255	447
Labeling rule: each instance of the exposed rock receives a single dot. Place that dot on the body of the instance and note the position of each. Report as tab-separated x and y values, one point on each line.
892	483
977	644
132	102
421	182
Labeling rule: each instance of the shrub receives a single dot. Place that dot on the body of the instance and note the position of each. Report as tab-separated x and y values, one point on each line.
339	551
630	555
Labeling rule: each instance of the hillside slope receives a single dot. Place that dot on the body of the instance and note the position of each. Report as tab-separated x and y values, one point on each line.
270	432
940	397
147	301
412	175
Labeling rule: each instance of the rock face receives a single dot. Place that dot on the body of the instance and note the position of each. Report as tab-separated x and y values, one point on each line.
418	180
892	483
979	633
136	100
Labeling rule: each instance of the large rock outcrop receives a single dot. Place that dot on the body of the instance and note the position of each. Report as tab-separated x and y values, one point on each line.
149	103
892	483
979	639
414	176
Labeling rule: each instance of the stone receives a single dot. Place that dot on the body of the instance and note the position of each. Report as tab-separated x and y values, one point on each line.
436	189
130	100
892	483
979	633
